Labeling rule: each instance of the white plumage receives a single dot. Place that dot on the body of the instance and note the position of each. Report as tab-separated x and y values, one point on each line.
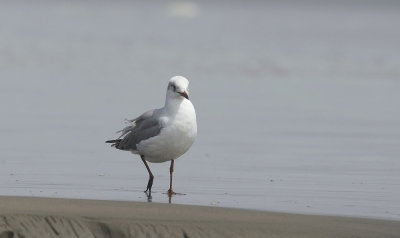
163	134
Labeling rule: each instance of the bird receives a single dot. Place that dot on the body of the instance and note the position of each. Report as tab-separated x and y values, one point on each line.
164	134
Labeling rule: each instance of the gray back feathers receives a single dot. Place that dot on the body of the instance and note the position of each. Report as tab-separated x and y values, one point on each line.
144	127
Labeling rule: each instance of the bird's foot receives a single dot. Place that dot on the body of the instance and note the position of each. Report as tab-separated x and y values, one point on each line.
148	192
149	185
170	192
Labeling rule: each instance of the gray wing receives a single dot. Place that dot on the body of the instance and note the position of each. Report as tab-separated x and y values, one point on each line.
145	126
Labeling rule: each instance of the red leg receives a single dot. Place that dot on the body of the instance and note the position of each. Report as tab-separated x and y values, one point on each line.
151	177
171	170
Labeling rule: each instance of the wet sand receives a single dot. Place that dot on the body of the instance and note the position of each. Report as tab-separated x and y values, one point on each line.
47	217
297	101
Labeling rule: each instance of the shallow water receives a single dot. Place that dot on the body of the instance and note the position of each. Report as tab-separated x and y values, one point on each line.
298	104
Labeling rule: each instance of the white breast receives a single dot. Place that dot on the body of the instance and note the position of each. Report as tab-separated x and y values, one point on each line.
174	139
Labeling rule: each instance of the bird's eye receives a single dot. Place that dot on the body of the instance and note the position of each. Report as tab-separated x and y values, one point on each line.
173	87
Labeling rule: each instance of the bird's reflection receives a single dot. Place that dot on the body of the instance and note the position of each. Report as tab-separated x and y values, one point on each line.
149	197
169	195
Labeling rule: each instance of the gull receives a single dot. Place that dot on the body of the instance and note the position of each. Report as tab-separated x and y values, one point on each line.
163	134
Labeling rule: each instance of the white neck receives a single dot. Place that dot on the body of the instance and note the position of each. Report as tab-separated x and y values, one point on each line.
172	104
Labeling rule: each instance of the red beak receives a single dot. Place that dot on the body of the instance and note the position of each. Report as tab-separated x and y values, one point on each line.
185	95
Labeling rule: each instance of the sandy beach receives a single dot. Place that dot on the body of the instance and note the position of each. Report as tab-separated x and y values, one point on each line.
48	217
297	101
297	105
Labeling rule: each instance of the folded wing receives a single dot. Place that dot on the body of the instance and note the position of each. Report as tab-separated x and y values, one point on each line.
141	128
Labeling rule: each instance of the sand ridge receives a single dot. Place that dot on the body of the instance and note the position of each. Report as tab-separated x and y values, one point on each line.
49	217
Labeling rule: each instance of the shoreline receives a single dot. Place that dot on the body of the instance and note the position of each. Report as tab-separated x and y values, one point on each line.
58	217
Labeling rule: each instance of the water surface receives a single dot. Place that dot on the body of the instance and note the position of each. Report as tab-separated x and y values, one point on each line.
297	103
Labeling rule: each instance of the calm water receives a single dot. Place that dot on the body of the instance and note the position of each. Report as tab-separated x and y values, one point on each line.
297	103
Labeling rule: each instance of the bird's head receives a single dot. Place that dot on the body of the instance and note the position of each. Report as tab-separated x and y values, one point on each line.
178	87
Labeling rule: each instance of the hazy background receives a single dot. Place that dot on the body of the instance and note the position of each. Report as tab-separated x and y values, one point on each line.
297	101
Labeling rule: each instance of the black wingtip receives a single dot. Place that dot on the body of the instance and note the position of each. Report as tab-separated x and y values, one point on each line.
113	141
